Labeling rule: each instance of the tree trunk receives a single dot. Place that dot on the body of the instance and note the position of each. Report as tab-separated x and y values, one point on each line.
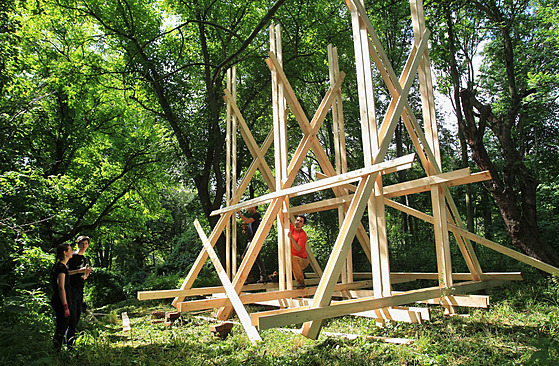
515	190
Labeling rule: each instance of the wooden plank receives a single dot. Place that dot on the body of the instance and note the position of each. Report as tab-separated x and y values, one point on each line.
318	185
250	141
402	314
280	318
319	206
412	276
252	252
234	128
200	260
244	318
506	251
228	158
474	301
425	82
471	261
247	298
442	243
424	184
339	252
480	240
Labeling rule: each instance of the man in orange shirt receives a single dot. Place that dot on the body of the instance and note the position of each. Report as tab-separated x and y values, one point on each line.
298	238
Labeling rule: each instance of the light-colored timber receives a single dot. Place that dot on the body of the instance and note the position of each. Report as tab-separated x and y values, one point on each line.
337	289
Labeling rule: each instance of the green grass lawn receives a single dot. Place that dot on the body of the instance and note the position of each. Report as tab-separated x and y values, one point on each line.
520	327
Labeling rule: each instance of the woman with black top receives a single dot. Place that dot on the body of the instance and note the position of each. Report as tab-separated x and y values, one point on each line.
62	298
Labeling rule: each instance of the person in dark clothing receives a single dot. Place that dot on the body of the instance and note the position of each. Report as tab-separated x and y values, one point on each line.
253	221
61	299
79	270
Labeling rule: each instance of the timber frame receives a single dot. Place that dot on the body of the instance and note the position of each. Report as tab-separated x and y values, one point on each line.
363	294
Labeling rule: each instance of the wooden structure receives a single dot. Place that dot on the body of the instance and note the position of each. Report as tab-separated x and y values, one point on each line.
363	294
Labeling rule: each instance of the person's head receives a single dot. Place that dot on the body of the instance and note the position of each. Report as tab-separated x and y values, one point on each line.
300	221
63	251
83	241
252	209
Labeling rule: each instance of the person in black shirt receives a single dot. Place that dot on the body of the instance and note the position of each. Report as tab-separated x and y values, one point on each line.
79	270
61	299
253	222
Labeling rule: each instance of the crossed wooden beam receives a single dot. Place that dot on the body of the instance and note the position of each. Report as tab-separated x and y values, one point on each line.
366	190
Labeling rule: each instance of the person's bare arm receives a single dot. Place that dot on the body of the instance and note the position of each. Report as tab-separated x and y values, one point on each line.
248	220
293	242
62	292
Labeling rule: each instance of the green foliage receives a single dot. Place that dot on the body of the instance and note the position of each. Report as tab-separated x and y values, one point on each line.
104	287
32	268
26	327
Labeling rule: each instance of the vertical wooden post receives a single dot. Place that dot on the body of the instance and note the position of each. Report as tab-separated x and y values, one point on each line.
231	176
437	192
280	155
339	149
228	181
377	222
234	172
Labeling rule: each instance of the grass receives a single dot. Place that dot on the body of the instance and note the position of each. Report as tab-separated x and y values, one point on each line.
520	327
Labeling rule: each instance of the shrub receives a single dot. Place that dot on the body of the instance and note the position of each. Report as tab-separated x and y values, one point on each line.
104	287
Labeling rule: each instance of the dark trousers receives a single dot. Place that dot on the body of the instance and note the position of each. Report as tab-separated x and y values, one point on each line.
61	324
259	262
75	311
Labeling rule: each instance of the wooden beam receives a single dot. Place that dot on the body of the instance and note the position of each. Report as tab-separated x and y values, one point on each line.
244	318
412	276
506	251
472	301
339	251
281	318
318	185
424	184
218	229
251	142
480	240
402	314
252	252
247	298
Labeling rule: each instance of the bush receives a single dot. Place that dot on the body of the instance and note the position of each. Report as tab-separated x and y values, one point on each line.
26	327
104	287
32	268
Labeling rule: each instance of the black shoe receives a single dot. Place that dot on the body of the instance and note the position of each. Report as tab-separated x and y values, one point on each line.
300	286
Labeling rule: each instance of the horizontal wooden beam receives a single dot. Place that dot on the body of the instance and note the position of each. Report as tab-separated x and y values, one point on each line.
398	313
264	296
280	318
412	276
453	178
398	277
322	184
473	301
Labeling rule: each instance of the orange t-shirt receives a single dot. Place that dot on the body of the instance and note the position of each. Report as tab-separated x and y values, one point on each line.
300	236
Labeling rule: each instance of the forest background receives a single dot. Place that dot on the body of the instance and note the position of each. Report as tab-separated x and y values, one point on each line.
112	125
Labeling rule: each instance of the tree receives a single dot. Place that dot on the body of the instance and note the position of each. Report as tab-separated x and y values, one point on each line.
174	59
506	110
76	151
